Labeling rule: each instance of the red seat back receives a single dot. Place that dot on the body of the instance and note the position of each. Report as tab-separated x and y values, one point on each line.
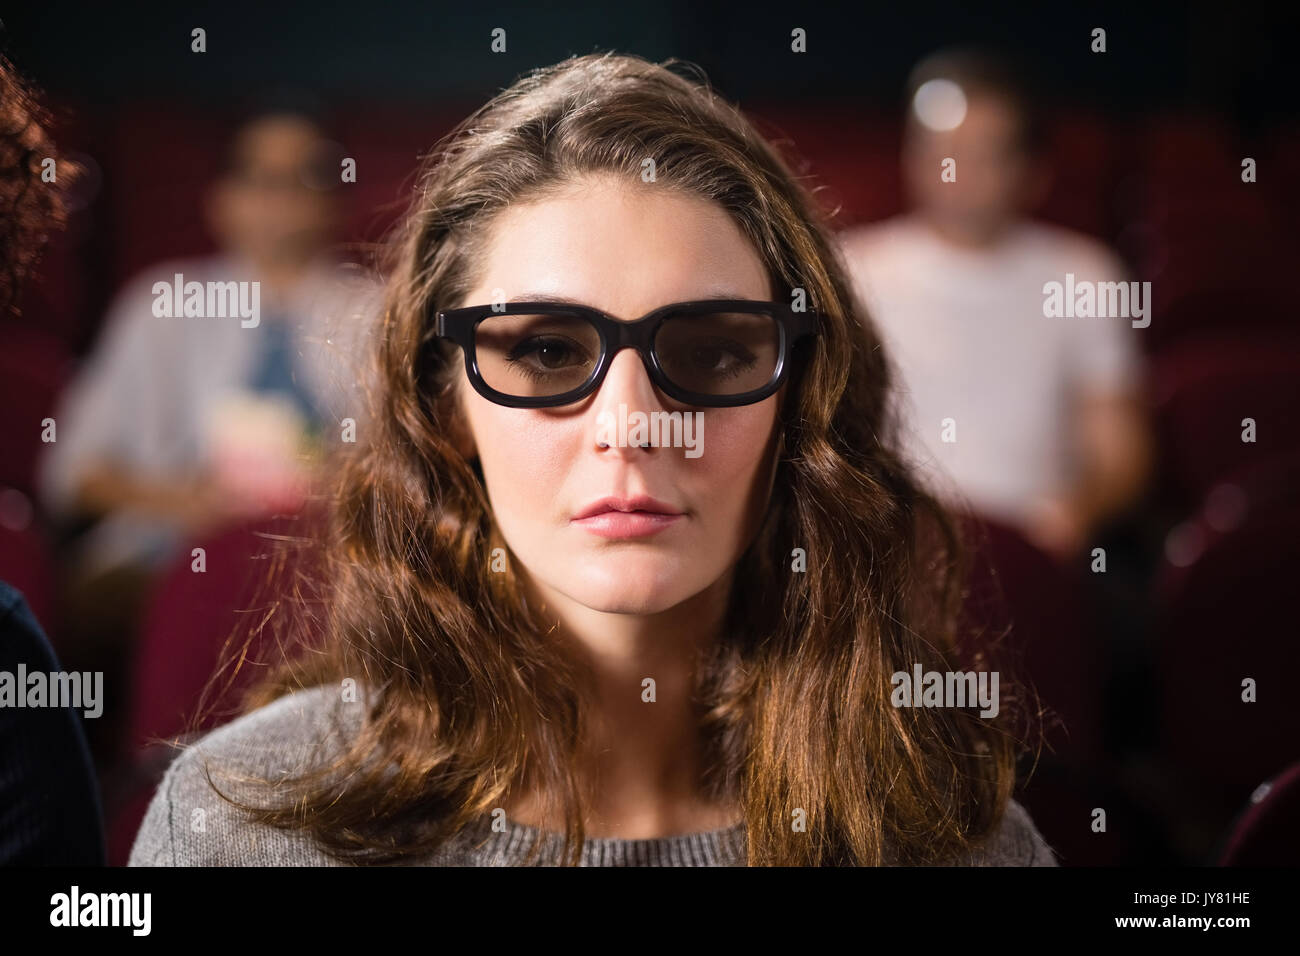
1013	583
1225	615
1267	832
191	617
1204	388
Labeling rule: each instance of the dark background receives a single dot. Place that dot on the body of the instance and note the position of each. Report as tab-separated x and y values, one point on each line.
1198	55
150	115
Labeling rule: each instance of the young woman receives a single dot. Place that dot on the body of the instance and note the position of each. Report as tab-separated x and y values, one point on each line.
554	637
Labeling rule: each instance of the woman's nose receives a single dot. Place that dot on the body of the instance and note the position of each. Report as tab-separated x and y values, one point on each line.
627	388
628	380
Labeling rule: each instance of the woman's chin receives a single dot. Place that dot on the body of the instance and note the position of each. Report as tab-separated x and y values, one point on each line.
632	588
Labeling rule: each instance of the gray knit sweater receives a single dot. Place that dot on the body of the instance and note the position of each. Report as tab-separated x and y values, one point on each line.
188	824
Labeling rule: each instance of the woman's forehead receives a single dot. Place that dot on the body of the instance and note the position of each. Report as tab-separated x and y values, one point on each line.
619	251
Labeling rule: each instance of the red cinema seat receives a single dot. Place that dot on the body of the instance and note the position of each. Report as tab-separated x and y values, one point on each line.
1187	151
1202	390
26	559
1052	646
1267	831
1224	615
190	618
33	369
1015	584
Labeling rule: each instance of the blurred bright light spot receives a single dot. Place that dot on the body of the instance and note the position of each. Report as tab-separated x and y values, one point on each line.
1184	544
940	105
16	511
1225	507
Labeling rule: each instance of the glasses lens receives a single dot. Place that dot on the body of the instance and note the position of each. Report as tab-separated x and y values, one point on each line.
719	353
536	356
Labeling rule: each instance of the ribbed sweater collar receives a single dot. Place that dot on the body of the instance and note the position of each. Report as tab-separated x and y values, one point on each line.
509	847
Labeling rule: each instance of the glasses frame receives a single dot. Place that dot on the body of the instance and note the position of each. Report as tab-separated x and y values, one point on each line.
460	325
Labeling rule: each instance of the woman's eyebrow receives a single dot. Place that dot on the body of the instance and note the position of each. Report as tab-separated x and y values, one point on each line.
565	300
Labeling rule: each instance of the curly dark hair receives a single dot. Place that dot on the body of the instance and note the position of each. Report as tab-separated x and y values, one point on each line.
30	209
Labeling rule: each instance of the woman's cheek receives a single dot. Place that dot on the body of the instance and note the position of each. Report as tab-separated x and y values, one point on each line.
734	452
726	482
525	454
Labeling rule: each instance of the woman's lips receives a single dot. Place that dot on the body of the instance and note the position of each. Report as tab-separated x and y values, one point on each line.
627	524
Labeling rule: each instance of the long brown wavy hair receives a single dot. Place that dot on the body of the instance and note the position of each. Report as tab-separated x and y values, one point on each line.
466	696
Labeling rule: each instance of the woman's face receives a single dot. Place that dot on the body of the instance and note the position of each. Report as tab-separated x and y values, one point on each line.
625	249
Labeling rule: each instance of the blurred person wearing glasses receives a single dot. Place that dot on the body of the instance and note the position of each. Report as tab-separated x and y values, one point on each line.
180	424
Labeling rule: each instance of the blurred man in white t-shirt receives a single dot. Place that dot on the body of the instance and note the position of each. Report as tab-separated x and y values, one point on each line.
1032	420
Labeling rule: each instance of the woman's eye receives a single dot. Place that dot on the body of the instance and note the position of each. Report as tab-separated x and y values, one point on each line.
547	352
721	358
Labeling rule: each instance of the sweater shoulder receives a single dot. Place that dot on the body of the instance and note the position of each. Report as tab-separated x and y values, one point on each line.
1016	842
189	823
288	735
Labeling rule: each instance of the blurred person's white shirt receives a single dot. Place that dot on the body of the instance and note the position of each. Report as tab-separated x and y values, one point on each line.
144	397
966	330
